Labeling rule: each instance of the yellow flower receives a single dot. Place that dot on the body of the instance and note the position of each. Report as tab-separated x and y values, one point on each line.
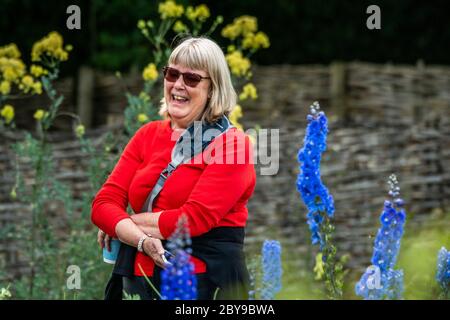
11	69
37	87
247	42
231	32
141	24
201	13
8	74
170	9
235	115
68	47
51	46
255	41
144	96
7	113
142	117
231	48
261	40
79	131
5	87
10	51
179	27
37	71
150	73
247	24
27	85
190	13
318	268
239	65
249	91
27	81
39	114
62	55
240	26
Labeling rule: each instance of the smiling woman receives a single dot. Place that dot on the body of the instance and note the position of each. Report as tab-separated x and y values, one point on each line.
185	96
213	196
206	82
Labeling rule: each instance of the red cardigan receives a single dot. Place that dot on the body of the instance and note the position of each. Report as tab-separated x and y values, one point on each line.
211	194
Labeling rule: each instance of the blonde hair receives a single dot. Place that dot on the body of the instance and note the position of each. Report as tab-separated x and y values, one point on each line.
204	54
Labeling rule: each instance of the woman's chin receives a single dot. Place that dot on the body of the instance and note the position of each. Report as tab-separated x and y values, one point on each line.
177	113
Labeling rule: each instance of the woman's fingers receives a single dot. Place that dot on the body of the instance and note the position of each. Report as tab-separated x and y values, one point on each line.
154	248
108	242
159	261
100	238
104	240
158	246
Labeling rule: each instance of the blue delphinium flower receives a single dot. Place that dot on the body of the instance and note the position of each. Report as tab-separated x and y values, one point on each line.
272	270
178	280
381	281
314	194
377	285
443	271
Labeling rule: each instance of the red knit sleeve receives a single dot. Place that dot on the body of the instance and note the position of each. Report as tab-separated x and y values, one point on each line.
218	189
110	203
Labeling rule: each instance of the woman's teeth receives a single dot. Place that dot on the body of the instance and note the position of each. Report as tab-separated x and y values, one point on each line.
179	98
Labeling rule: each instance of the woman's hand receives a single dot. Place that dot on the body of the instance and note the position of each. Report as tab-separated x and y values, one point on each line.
154	249
104	240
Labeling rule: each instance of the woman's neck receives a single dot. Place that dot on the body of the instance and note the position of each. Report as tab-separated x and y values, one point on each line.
175	125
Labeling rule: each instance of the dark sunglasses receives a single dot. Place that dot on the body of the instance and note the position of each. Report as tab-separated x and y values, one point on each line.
189	78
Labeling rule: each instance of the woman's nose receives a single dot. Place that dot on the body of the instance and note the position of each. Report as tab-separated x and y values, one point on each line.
180	82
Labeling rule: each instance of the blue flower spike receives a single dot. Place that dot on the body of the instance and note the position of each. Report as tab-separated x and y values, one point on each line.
178	280
272	270
443	272
315	195
381	280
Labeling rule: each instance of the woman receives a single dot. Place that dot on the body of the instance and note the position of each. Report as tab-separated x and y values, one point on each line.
211	194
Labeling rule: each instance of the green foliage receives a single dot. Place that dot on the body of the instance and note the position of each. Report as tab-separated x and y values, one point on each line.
255	272
101	158
50	245
298	280
138	105
333	270
131	297
418	258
